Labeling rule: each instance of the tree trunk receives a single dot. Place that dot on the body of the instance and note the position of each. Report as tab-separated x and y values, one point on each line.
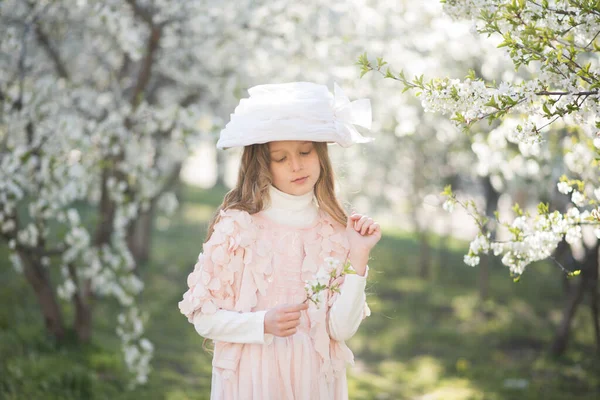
484	276
561	337
491	203
83	308
593	285
586	281
39	279
139	236
82	299
221	168
139	232
424	255
83	319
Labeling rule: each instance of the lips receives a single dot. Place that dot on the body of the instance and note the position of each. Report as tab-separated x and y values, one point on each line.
300	179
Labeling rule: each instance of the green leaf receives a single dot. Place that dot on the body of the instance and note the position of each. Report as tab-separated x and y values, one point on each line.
546	110
543	208
517	209
447	190
389	74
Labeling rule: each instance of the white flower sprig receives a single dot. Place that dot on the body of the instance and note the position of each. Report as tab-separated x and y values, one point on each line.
327	278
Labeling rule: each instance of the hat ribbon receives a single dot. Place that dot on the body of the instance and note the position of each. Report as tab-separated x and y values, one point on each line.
348	113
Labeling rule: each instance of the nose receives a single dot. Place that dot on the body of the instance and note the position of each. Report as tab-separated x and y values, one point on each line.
296	163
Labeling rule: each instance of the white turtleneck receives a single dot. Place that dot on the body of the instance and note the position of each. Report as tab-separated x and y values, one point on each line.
296	211
345	314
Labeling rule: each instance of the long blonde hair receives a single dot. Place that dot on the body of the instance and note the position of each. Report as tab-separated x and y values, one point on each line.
251	192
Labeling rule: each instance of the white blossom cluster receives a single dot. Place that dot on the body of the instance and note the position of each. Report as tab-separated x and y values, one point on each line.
461	9
137	349
66	119
541	154
534	238
326	279
470	100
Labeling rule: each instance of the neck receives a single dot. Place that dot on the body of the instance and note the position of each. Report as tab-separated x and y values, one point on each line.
297	211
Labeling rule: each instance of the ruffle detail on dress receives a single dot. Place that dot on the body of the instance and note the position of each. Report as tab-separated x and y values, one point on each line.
228	274
328	240
221	278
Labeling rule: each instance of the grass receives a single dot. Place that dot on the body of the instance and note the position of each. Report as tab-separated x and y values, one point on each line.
425	339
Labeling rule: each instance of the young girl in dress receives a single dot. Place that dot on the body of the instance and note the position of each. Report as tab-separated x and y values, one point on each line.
272	233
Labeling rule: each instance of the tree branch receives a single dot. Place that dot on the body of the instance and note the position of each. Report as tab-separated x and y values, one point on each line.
52	53
146	68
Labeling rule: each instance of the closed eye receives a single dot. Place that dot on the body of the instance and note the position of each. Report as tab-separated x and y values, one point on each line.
302	153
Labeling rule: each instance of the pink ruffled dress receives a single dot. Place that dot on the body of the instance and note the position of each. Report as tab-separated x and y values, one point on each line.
251	263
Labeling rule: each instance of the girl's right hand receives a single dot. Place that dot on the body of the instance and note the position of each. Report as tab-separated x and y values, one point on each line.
283	320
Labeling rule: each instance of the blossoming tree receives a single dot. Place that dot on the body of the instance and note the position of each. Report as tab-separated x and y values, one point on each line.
557	44
98	106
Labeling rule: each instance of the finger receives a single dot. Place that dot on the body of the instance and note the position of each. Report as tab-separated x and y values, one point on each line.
360	223
366	226
291	316
351	219
295	308
377	228
372	228
288	332
288	325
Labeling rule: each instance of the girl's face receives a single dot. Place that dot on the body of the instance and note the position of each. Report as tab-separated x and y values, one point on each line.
294	166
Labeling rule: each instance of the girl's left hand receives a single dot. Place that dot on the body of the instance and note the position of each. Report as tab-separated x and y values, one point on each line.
363	234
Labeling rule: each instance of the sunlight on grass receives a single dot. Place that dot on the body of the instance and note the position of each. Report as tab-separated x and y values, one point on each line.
178	394
453	392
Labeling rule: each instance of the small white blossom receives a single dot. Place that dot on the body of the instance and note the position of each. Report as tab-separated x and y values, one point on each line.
578	198
323	276
448	205
498	248
8	226
471	260
564	187
66	290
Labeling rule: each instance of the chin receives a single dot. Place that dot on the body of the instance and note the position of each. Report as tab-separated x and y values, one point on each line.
300	190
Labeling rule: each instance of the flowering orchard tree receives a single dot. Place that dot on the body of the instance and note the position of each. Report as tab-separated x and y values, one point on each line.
558	39
557	44
98	103
87	146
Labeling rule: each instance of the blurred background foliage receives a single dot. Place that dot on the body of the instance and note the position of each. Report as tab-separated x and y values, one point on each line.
428	338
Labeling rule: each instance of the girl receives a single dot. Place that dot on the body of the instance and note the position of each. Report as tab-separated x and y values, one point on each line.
271	234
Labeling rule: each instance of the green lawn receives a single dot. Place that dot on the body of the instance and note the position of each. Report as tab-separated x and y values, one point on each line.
424	340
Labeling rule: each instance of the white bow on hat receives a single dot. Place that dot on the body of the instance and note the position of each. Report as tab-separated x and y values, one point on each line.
296	111
347	114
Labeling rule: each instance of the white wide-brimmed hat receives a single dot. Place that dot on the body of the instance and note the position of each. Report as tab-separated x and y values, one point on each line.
296	111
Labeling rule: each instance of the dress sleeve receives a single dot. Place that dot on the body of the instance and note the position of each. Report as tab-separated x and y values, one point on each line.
349	309
215	281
